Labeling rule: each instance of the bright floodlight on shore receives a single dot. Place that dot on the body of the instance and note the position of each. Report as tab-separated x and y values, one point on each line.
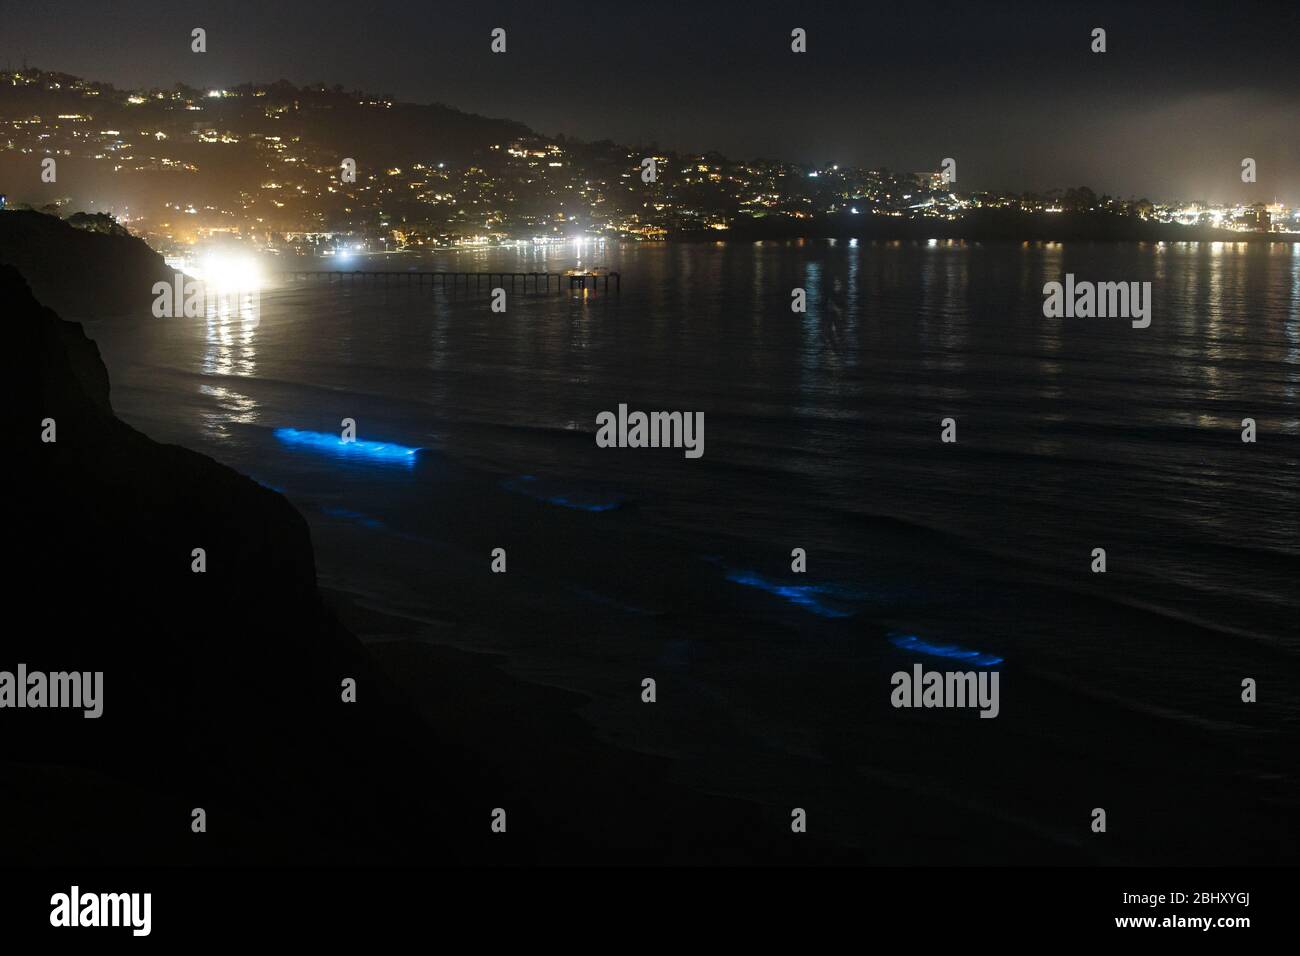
228	271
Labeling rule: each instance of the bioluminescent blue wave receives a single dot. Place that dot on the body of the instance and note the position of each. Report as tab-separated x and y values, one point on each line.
910	642
331	444
578	501
805	596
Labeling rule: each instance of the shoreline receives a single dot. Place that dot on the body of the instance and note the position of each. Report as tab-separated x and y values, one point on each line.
713	238
993	226
606	802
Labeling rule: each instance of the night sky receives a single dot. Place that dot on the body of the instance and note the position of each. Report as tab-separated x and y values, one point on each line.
1009	90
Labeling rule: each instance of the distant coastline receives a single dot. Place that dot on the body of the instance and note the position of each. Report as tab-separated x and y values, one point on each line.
989	226
986	226
1008	227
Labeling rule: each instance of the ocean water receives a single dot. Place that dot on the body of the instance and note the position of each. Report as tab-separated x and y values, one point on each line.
822	432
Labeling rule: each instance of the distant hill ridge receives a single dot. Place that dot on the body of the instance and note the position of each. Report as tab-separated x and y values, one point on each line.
325	117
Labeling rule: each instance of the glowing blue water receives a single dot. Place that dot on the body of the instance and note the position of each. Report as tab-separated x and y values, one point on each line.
806	596
331	444
910	642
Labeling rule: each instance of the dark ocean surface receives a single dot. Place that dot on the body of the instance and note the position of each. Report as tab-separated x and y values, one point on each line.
1119	690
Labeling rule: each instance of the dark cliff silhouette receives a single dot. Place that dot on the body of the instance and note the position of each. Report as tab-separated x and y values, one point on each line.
221	690
81	272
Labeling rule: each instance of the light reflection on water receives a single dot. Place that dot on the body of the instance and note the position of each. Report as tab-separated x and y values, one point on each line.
231	335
